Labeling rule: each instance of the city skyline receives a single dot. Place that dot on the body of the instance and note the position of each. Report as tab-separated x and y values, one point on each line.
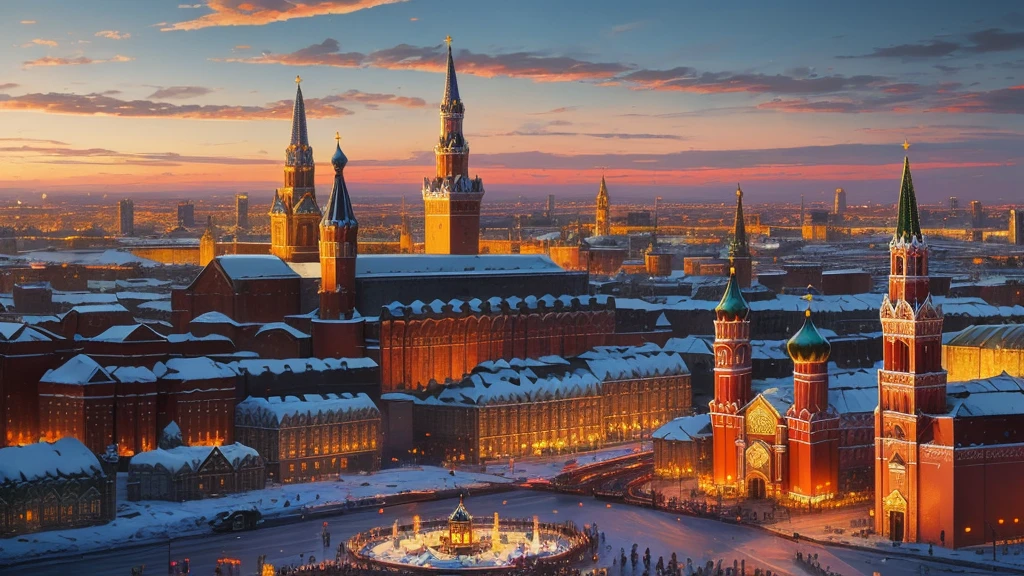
680	100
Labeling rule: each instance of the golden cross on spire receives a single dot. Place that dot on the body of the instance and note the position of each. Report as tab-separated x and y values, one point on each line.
298	79
337	138
448	40
810	298
906	144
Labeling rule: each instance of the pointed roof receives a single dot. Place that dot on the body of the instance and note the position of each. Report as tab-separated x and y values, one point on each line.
603	190
307	205
460	514
808	345
451	84
300	137
733	305
278	207
908	222
738	245
339	206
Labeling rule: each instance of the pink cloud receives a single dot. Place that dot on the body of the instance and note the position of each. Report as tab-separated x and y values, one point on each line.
262	12
80	61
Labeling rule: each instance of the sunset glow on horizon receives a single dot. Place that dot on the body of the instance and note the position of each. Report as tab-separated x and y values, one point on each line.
668	98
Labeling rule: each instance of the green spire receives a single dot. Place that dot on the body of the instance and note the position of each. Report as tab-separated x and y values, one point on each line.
733	304
808	345
908	222
738	246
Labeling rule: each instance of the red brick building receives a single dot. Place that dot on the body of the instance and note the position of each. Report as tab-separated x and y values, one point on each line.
26	353
199	395
420	343
245	288
77	400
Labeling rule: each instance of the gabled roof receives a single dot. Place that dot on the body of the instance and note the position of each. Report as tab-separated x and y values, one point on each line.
272	326
684	429
134	333
80	370
67	457
20	332
307	205
254	267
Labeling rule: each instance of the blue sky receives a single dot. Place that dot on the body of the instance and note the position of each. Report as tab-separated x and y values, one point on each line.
678	98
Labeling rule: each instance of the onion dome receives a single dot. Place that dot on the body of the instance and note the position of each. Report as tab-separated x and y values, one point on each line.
733	305
460	514
808	345
338	210
339	160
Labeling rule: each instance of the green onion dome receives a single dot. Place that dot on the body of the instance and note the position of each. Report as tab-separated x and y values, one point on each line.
808	345
733	304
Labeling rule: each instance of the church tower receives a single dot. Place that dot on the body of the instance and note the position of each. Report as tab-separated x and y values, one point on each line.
602	221
451	199
812	424
338	246
739	251
732	383
911	383
294	215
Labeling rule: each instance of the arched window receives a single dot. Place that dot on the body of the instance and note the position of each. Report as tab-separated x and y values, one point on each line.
897	432
899	265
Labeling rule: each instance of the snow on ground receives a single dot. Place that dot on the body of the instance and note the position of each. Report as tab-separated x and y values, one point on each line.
156	521
548	467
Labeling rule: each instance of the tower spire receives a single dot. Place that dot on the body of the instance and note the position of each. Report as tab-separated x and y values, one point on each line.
451	99
338	210
299	134
738	246
908	222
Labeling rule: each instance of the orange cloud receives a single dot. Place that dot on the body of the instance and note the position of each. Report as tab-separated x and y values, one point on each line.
262	12
40	42
113	35
80	61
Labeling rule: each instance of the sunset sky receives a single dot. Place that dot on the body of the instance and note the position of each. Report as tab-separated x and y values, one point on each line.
679	99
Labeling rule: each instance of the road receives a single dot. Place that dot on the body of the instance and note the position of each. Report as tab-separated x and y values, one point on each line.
623	525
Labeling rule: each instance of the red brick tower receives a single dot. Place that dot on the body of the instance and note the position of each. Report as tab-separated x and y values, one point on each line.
812	425
338	333
911	383
739	251
294	214
732	383
338	247
451	200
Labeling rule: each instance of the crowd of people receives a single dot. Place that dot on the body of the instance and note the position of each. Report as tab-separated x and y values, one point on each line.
809	562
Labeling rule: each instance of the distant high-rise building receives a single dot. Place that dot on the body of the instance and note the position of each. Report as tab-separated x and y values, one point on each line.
451	199
126	217
1017	226
977	214
839	207
602	221
242	211
954	203
802	210
186	214
551	206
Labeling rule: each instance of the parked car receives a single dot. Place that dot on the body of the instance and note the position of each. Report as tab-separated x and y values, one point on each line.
236	520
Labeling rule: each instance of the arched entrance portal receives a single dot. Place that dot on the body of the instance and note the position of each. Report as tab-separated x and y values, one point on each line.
756	488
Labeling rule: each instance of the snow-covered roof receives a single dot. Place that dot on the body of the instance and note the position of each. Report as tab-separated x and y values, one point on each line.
19	332
294	332
145	296
214	318
615	363
418	307
122	333
84	257
96	309
383	265
80	370
995	396
689	345
79	298
850	391
254	267
190	337
517	386
66	457
275	410
191	457
258	366
685	429
156	305
127	374
188	369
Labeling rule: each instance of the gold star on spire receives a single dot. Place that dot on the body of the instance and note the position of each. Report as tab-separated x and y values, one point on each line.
906	144
448	40
298	79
